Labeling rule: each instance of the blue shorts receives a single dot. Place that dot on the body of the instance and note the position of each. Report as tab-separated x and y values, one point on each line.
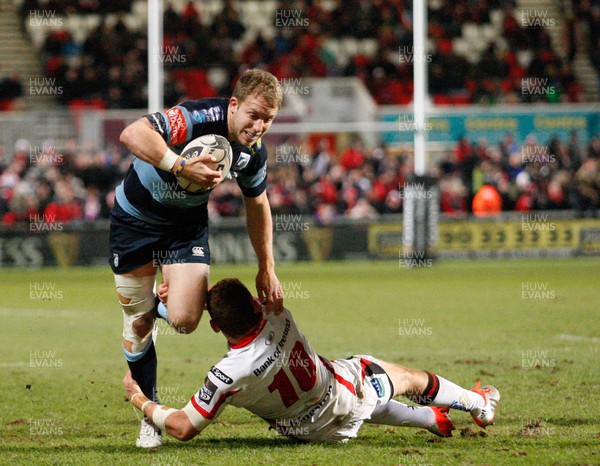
134	243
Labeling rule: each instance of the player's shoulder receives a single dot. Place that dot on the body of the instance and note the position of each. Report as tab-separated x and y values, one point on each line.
251	160
283	320
225	373
206	109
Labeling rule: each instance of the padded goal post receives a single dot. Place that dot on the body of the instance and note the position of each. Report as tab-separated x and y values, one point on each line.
420	220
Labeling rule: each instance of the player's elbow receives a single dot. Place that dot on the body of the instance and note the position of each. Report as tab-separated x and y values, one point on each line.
180	427
183	432
127	136
189	435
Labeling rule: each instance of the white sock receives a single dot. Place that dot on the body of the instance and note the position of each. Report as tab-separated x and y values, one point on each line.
453	396
394	413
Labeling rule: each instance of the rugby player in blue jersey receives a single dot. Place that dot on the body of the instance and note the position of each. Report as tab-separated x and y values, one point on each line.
157	224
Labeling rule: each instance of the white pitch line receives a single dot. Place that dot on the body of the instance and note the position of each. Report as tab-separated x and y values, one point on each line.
564	336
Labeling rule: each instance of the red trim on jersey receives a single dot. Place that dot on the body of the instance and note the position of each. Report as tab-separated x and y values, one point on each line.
363	364
210	415
250	337
346	383
178	126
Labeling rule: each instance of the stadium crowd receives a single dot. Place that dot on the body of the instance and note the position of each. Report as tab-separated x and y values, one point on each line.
109	68
355	182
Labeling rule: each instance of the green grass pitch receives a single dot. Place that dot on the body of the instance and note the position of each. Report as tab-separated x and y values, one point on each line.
530	327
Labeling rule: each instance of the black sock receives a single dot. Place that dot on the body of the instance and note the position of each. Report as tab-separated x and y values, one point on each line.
143	372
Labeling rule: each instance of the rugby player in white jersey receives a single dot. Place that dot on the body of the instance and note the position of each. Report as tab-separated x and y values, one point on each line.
155	223
272	370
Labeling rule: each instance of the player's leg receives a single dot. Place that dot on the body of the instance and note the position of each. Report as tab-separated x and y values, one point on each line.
134	245
136	295
394	413
427	388
391	412
135	291
188	285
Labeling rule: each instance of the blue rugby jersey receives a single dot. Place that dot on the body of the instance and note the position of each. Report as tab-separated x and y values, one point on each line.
154	196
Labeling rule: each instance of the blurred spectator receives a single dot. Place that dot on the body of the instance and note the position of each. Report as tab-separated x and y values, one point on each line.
587	181
487	202
65	207
362	210
353	156
320	162
10	89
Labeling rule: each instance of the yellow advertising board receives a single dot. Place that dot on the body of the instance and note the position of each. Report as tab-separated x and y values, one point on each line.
531	233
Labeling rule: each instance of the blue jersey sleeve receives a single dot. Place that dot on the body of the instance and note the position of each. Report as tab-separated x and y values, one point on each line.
250	169
191	119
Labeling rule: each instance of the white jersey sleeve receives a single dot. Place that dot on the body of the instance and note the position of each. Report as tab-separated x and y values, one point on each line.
211	399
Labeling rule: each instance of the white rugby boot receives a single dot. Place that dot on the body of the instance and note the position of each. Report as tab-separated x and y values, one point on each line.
150	436
484	416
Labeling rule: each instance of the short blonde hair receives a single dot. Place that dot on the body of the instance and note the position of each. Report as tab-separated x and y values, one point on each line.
261	83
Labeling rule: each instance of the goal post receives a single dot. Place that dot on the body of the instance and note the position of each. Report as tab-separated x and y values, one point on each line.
420	194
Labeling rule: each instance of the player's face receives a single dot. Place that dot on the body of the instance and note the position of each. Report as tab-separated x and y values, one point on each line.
249	119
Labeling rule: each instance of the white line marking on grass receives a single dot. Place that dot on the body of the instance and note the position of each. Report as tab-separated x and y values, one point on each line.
564	336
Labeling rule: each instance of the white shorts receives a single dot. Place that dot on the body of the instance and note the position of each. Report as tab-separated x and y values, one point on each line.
361	385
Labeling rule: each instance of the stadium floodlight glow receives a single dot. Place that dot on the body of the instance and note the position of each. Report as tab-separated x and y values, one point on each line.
155	64
420	83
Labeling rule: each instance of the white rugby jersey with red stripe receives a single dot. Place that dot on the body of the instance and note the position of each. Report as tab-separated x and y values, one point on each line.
276	374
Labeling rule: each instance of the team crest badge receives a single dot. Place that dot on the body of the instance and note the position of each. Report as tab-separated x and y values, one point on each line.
242	161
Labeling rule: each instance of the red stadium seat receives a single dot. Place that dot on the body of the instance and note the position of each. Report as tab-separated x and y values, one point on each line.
461	99
441	99
5	105
195	82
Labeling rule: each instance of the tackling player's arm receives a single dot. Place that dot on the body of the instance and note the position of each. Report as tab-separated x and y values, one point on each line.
146	143
176	422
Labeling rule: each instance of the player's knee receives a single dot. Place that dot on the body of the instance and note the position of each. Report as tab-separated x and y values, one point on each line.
136	295
143	325
184	321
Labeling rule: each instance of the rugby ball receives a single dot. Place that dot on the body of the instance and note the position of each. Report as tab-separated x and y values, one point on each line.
209	144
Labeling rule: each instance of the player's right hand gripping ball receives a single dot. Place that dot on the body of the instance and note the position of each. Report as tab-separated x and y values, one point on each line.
209	144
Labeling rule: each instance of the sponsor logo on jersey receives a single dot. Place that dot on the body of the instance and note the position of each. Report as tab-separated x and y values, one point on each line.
208	114
207	391
221	375
378	386
269	339
242	161
178	126
198	251
198	117
158	123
